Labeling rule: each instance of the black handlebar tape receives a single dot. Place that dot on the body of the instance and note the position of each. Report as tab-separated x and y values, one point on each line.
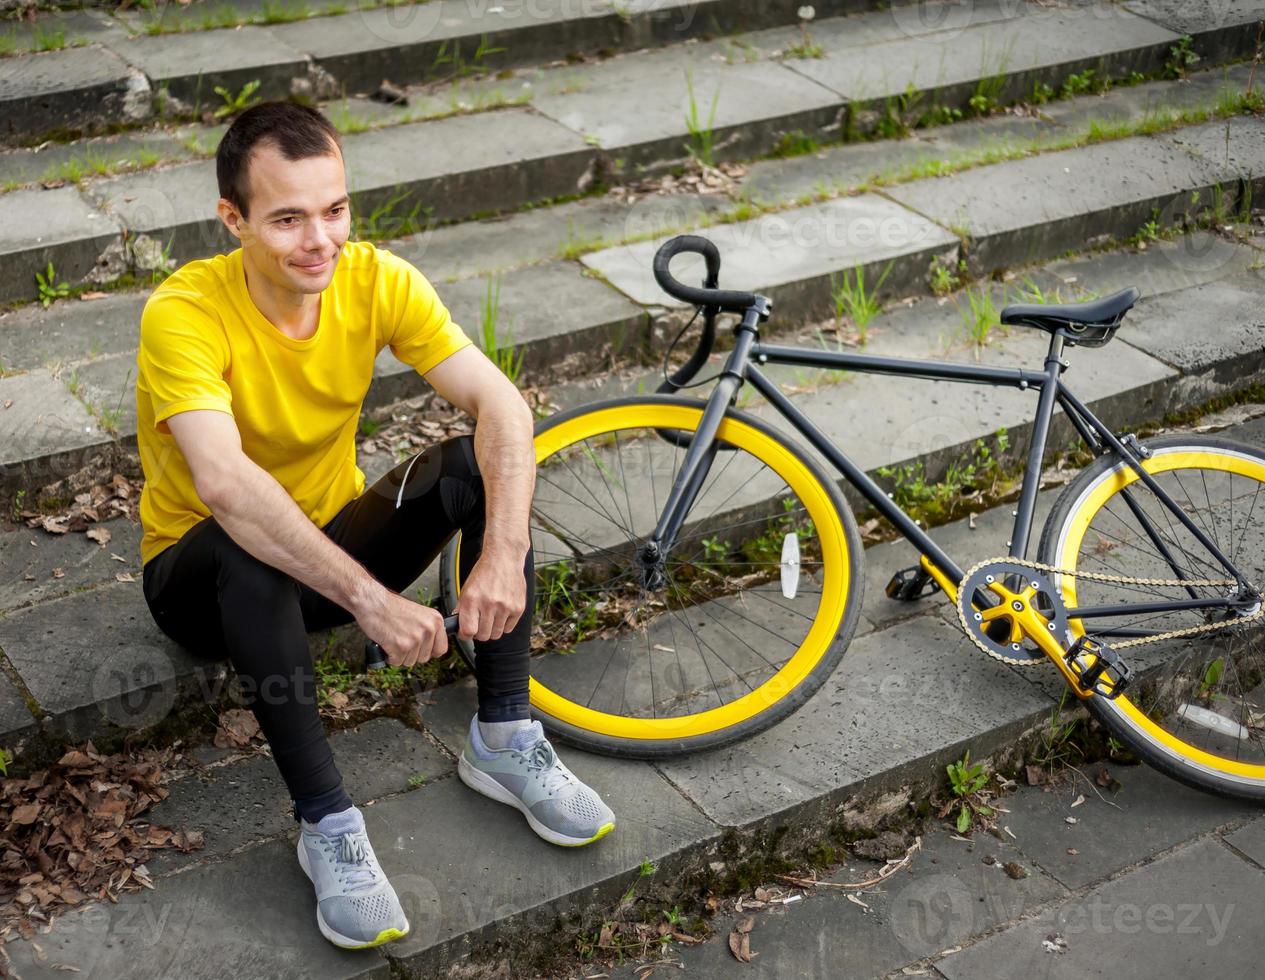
725	299
375	656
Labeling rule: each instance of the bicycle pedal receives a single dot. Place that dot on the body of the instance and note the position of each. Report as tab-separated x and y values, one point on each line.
1107	664
911	584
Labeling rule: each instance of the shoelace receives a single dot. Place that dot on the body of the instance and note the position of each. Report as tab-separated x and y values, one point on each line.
353	865
541	759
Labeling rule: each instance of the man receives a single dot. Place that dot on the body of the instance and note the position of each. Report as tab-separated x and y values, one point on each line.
252	370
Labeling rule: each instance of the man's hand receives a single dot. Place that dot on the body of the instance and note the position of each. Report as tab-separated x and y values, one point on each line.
492	598
408	632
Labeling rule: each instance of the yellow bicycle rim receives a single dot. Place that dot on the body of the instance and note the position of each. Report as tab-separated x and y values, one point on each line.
835	585
1069	549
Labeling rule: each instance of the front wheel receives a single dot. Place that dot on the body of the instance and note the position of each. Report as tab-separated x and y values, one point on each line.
759	598
1196	709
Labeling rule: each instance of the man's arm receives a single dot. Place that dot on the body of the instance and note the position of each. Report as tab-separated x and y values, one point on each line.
258	514
495	594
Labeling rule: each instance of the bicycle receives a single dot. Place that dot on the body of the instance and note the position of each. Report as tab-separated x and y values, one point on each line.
678	539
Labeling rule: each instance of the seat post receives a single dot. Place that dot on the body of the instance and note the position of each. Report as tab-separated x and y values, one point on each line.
1056	348
1036	451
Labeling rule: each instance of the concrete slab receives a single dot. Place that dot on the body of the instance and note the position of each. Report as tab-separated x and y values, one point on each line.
1174	327
199	925
464	165
16	720
43	426
175	205
1237	144
39	227
1220	29
1170	913
196	18
635	107
1033	43
1250	840
901	696
77	28
834	168
75	88
96	659
1163	267
189	66
1037	208
50	160
477	248
550	310
1113	830
947	896
30	555
107	385
71	330
408	45
496	880
791	255
1201	90
246	801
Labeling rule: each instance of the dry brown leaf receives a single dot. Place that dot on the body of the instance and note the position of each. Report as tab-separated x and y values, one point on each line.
125	577
59	572
25	814
237	726
8	403
101	535
93	294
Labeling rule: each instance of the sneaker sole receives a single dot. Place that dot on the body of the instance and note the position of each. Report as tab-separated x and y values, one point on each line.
481	782
337	938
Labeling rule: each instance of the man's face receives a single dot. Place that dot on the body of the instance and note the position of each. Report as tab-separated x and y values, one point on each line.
299	218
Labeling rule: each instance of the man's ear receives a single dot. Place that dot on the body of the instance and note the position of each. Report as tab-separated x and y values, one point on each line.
232	219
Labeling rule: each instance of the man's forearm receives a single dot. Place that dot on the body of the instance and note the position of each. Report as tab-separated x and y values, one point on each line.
260	516
506	456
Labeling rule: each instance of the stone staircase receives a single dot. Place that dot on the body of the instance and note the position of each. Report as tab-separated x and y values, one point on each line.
553	169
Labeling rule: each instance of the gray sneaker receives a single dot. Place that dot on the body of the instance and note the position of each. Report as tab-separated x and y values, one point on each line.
356	907
528	775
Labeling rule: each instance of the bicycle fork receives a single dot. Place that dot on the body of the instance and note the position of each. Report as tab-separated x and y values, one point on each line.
701	450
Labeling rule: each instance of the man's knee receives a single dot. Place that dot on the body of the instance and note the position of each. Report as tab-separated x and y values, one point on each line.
447	474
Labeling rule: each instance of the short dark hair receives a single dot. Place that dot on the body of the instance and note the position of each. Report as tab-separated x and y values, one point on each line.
298	131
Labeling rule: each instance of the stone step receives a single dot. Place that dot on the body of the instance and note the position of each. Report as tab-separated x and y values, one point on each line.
52	627
608	303
610	120
114	68
482	893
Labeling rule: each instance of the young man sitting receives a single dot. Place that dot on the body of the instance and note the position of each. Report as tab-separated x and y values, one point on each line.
252	370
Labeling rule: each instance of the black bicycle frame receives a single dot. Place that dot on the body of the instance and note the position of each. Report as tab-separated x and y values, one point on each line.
740	368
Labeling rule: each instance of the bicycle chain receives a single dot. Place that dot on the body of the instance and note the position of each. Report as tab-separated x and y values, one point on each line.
1101	577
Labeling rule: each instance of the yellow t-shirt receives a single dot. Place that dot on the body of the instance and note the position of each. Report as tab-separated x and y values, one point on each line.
296	403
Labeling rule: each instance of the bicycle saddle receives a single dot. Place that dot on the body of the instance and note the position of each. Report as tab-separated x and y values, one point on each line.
1090	324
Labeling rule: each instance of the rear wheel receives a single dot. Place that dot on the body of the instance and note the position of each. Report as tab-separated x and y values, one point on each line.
761	594
1196	710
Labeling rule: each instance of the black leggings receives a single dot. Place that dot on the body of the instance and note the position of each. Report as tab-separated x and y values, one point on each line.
213	597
